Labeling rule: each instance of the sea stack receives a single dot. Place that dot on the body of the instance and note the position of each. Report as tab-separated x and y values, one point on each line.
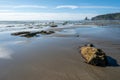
93	55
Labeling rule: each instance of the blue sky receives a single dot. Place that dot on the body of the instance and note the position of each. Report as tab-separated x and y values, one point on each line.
55	9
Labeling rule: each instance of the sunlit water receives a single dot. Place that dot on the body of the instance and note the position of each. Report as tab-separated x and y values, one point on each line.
27	58
10	44
111	33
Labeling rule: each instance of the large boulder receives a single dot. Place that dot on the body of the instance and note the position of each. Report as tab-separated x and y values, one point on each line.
93	55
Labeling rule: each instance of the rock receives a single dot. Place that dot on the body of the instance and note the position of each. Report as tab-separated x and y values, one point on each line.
10	26
29	34
51	32
53	25
93	55
89	45
46	32
65	23
20	33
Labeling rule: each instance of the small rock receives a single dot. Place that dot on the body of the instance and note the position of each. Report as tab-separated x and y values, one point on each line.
10	26
53	26
29	35
46	32
89	45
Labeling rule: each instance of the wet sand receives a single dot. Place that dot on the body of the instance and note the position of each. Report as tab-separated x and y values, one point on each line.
55	58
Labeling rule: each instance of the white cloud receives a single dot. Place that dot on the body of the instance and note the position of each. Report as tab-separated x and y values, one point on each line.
57	7
86	7
67	6
23	6
44	16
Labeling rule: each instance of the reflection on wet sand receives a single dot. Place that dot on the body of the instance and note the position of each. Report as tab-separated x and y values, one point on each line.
5	53
57	58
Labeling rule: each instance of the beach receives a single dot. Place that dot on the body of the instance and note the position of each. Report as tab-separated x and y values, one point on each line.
57	56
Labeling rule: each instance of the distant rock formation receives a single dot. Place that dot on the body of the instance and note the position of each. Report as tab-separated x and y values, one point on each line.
112	16
86	18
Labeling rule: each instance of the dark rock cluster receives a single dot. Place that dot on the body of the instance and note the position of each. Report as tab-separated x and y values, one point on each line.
29	34
112	16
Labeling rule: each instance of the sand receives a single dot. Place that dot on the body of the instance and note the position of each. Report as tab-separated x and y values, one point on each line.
55	58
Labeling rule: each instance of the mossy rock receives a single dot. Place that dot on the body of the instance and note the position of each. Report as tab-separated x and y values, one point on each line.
93	56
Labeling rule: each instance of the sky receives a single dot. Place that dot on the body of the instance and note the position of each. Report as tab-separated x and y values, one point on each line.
56	9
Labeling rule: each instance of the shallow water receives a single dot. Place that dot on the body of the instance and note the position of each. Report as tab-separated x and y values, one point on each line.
58	58
109	33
